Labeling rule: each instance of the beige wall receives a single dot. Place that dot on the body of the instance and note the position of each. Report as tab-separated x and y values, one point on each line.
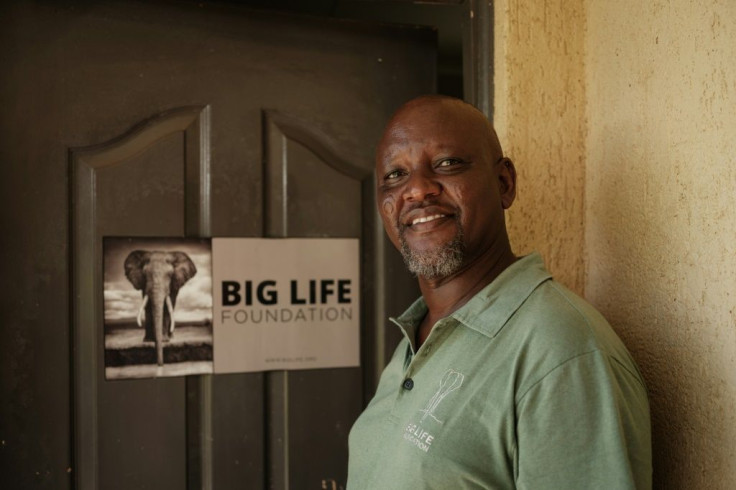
539	112
658	192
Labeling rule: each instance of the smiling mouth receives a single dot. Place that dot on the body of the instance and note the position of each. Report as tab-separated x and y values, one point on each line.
426	219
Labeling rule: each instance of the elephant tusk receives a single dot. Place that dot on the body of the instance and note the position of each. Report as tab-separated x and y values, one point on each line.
171	313
142	311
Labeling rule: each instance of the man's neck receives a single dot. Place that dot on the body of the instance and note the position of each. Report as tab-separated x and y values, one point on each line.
444	296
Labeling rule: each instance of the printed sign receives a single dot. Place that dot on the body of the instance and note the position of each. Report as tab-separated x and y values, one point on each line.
288	303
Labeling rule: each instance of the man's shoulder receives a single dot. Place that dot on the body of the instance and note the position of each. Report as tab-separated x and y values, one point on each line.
555	326
525	307
554	317
542	310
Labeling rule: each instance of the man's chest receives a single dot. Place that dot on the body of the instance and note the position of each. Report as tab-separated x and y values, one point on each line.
448	416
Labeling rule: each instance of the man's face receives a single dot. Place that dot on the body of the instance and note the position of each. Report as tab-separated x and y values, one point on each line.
441	186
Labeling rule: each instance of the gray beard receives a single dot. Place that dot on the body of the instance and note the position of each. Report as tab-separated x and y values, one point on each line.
443	261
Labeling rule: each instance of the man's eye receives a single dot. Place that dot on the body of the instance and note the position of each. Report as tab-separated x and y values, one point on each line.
392	175
449	162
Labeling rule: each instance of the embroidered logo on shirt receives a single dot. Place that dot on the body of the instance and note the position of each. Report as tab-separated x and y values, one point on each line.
451	381
416	435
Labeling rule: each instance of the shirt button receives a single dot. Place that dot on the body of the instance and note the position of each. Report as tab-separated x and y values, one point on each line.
408	384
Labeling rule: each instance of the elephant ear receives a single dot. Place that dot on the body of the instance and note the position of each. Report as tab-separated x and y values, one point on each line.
184	269
134	268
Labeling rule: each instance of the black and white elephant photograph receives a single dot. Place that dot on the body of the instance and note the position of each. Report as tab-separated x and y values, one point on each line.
158	307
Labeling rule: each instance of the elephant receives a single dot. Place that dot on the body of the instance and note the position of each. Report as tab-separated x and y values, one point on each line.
159	276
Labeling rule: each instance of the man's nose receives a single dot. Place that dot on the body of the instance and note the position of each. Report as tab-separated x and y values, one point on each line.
421	186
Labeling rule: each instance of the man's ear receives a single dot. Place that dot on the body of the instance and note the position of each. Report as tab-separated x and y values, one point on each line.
507	180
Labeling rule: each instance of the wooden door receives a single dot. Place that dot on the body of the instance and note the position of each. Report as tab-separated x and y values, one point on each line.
164	119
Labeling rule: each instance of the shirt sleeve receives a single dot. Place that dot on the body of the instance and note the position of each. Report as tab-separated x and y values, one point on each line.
584	425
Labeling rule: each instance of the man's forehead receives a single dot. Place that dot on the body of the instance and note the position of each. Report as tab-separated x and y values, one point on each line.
399	141
438	133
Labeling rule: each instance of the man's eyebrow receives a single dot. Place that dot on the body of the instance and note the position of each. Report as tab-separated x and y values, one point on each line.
445	147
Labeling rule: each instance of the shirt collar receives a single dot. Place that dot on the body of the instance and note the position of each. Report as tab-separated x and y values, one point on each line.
489	310
409	321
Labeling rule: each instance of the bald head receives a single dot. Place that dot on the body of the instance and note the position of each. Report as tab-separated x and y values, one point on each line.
444	111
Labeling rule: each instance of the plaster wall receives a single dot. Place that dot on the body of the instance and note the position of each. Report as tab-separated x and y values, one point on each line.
539	113
621	117
660	218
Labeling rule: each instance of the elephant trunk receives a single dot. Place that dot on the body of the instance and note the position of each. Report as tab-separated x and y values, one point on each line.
158	326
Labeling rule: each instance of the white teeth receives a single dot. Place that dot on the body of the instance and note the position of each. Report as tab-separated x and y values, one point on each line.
427	218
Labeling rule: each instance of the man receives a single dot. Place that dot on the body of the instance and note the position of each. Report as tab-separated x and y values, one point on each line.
505	379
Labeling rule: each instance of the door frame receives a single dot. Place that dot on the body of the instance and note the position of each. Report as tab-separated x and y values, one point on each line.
478	55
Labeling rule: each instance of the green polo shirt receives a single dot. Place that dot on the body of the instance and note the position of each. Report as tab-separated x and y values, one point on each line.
525	386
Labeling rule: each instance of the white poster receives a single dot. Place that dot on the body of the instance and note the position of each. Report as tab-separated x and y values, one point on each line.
290	303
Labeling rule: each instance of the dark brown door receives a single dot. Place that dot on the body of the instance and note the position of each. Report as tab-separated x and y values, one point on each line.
158	119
